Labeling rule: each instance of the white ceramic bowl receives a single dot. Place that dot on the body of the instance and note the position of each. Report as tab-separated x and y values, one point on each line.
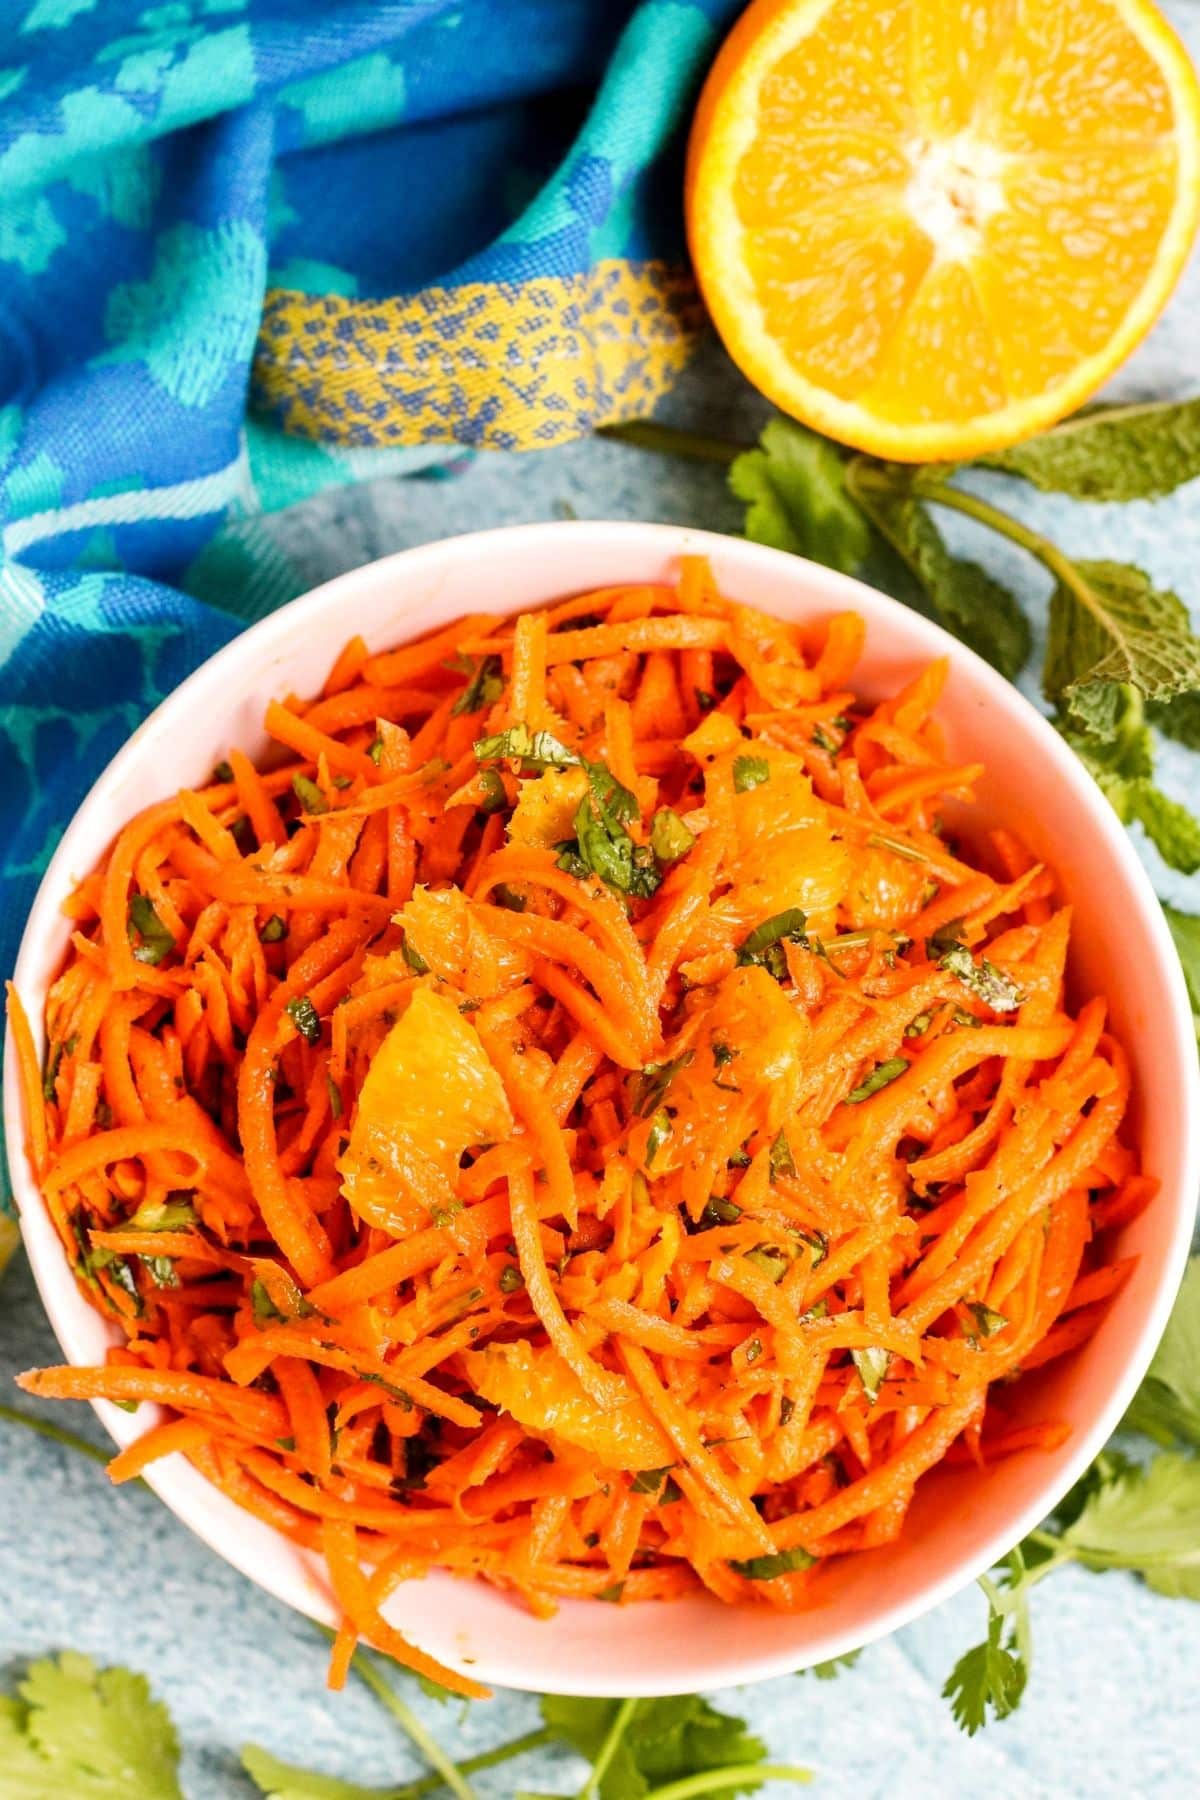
962	1520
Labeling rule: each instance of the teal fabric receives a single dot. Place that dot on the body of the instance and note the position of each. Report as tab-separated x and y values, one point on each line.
166	170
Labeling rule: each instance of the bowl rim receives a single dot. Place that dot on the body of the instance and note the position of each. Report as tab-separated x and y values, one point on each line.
827	589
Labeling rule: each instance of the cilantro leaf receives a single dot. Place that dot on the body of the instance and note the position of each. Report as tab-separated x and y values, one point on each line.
536	749
796	498
663	1741
1110	627
1147	1520
1185	929
991	1677
1131	452
148	935
968	601
287	1781
1167	1405
602	845
87	1733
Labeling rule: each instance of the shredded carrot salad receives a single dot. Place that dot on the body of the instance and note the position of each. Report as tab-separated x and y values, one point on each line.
574	1117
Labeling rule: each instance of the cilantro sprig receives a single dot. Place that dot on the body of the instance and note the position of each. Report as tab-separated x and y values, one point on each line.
90	1733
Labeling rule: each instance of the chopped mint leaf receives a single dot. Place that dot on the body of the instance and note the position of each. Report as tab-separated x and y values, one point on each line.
766	1568
750	772
309	795
764	945
880	1077
872	1365
670	838
148	935
484	688
648	1087
305	1018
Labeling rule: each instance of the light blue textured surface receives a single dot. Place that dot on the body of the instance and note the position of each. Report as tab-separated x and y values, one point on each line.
1111	1706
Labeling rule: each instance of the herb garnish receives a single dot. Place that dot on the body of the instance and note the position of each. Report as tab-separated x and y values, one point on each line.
304	1017
149	937
881	1076
764	945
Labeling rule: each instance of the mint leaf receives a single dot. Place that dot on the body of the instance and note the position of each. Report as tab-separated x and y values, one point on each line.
309	795
1147	1520
982	978
872	1365
149	937
750	772
881	1076
1133	452
87	1733
305	1018
764	945
1110	626
669	836
796	499
1185	929
648	1087
989	1678
484	688
1178	718
1167	1405
766	1568
968	601
1173	830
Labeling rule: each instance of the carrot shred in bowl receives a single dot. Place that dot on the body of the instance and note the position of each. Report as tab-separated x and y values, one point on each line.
580	1122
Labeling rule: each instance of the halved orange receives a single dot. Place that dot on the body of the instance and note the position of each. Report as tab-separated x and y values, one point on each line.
931	227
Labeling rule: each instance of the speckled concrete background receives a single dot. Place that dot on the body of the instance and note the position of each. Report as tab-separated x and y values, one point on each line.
1111	1709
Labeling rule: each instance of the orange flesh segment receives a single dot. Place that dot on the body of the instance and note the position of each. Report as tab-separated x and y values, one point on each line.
944	207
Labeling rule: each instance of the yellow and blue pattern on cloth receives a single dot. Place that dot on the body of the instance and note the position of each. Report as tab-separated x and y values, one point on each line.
251	248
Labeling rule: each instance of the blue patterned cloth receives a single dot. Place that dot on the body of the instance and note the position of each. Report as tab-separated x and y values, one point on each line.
251	248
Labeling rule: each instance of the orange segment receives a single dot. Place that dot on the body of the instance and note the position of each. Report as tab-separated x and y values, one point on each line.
430	1094
932	227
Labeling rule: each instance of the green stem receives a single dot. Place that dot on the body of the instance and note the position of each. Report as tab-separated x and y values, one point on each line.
608	1748
984	513
670	440
449	1773
59	1434
472	1765
719	1781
